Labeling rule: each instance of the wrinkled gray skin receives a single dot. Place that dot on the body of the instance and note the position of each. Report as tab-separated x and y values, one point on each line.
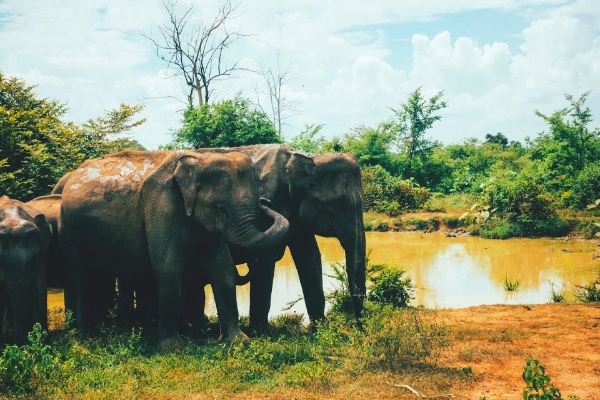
319	195
154	215
24	238
55	267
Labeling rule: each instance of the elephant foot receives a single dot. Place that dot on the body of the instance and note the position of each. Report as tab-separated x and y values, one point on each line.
264	329
235	338
172	343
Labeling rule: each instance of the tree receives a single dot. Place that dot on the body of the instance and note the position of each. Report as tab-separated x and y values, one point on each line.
413	119
371	146
229	123
37	147
197	52
279	103
498	138
570	145
306	139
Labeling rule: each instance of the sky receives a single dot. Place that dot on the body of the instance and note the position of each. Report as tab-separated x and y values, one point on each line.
497	61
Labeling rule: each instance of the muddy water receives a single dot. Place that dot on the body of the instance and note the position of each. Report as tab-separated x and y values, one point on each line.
450	272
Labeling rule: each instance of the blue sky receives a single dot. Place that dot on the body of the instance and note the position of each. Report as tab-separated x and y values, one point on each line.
496	60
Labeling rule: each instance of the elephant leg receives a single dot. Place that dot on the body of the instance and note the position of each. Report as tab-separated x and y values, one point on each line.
261	287
126	298
221	272
307	257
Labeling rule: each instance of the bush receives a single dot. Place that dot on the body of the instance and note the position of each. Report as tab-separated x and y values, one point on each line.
397	339
590	292
391	195
389	286
586	187
524	208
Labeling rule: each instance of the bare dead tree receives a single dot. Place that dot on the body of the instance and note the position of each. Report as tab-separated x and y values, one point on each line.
196	52
274	81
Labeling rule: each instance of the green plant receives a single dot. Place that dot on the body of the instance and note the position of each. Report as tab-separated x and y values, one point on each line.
23	369
590	292
538	385
389	286
557	295
511	285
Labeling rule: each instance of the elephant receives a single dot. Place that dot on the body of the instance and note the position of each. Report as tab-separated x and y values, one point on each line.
24	238
319	195
151	216
55	267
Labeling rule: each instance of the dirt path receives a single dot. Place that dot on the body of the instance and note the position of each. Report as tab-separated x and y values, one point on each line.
495	341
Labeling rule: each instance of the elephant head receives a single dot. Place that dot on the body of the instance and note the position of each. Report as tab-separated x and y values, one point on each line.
24	238
329	192
220	193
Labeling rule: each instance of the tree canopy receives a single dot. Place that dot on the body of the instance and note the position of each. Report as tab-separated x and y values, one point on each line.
37	147
228	123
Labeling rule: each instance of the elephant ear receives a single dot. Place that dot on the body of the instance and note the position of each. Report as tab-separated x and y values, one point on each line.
45	229
185	176
301	170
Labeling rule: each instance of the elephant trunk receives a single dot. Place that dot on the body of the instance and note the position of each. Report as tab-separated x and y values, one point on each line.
355	247
245	234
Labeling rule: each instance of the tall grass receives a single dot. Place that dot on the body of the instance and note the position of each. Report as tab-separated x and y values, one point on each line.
511	285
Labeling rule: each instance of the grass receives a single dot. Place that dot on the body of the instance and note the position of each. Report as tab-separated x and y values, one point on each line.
123	364
557	295
511	285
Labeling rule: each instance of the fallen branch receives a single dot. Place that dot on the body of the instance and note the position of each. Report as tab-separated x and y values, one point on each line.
422	396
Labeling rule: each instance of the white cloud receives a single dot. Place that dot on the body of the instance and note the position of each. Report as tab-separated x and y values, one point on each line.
91	54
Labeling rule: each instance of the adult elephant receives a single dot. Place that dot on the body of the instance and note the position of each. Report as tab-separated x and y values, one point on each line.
319	195
155	215
24	238
56	273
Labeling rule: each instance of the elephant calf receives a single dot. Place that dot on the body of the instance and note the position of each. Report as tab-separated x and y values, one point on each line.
24	238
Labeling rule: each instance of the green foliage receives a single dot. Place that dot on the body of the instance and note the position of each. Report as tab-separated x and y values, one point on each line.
557	295
389	286
371	147
569	145
523	206
589	293
586	187
511	285
24	369
37	147
229	123
307	140
538	384
399	338
392	195
412	120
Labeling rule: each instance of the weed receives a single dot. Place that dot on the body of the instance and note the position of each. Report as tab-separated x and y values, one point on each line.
511	285
590	292
389	286
557	295
538	384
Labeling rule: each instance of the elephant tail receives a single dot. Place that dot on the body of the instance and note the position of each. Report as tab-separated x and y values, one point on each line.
244	279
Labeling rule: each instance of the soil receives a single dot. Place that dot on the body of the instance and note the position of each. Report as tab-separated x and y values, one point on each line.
496	341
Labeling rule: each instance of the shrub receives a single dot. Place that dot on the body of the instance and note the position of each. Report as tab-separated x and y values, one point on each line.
395	339
389	286
523	205
538	385
391	195
586	187
590	292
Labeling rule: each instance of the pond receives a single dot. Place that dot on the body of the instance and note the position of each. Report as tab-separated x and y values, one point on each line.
454	272
448	272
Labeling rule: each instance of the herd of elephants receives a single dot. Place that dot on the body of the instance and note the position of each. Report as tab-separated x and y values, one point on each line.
143	232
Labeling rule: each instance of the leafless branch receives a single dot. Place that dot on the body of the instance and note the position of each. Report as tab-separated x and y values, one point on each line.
196	53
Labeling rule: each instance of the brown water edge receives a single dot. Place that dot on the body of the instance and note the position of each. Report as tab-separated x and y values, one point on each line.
448	272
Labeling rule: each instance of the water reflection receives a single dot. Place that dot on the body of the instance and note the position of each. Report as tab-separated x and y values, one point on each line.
454	272
449	272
